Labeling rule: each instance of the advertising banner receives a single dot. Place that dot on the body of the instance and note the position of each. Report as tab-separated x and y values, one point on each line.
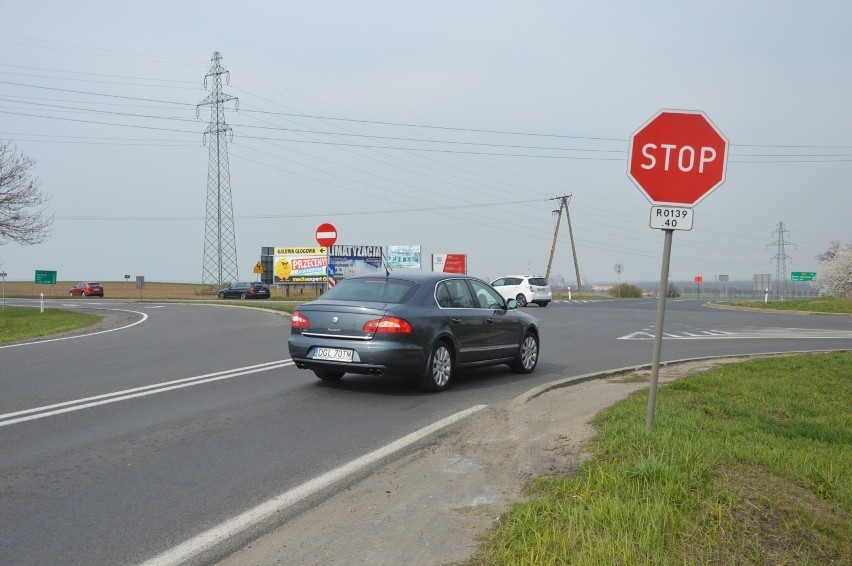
295	264
404	257
450	263
352	260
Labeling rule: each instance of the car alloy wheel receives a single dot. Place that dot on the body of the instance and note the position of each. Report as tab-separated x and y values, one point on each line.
522	300
527	354
439	370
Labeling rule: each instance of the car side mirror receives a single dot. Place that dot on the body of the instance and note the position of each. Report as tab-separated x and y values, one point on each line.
512	304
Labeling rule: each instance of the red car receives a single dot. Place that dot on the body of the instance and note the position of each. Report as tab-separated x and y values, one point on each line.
87	289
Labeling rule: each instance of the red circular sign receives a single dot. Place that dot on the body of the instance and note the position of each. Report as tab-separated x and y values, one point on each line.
326	235
677	157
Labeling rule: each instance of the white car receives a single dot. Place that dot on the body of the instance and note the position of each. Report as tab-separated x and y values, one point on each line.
525	289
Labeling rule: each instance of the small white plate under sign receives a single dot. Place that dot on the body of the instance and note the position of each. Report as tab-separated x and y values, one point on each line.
671	217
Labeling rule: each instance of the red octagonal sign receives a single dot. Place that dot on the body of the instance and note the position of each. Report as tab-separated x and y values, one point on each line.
678	157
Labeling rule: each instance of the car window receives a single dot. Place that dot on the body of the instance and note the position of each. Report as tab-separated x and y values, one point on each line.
442	295
498	282
454	294
486	297
513	281
539	281
378	290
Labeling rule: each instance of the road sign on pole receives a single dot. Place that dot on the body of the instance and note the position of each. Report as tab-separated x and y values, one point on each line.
44	277
676	159
326	235
803	276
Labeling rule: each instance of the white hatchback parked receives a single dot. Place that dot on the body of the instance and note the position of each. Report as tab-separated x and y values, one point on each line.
525	289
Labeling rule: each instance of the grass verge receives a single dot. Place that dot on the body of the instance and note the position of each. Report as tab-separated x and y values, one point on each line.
18	323
746	464
833	305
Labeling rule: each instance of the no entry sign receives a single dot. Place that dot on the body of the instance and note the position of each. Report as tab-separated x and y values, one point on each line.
677	157
326	235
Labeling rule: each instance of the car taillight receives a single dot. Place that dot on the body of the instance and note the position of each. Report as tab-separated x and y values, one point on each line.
388	325
300	321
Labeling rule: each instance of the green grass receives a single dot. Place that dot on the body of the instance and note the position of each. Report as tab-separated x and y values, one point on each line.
18	323
746	464
837	305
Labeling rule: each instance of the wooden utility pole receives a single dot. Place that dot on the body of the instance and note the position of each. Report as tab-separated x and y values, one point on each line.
563	204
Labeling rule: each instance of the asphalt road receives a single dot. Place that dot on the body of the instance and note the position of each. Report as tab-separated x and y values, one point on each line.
118	446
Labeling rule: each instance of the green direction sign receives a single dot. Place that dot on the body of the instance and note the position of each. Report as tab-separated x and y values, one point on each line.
802	275
43	277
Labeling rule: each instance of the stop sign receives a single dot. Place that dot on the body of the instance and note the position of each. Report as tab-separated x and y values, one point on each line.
677	157
326	235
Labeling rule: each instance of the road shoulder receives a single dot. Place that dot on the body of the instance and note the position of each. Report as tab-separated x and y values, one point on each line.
432	506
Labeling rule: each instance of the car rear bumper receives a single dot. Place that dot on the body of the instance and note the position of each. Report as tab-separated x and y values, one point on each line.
373	357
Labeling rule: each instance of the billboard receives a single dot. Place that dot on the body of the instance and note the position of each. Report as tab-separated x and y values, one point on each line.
305	264
404	257
449	263
352	260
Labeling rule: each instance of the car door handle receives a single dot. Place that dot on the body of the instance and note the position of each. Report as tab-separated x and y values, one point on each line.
455	320
489	321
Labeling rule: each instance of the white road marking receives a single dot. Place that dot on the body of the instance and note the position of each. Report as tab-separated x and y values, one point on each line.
89	402
195	546
750	334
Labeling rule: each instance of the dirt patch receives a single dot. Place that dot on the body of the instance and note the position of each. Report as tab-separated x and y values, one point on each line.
774	519
432	506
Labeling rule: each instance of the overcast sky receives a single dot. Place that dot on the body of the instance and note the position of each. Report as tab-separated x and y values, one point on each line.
448	124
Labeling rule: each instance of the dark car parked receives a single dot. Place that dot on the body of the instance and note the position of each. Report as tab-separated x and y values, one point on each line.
87	289
419	325
245	290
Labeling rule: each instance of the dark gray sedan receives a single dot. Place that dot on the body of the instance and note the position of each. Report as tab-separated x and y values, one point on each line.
245	290
419	325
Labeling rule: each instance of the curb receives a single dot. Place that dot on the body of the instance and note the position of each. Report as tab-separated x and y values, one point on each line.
577	379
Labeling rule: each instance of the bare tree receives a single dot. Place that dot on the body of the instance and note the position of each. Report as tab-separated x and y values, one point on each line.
23	207
832	251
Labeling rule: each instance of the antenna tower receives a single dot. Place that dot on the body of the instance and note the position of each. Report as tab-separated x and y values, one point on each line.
563	204
780	258
220	242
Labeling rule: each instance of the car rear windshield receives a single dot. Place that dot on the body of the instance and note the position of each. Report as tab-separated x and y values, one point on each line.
540	281
378	290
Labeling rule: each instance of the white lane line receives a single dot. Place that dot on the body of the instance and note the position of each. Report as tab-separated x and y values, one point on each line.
760	334
195	546
140	321
88	402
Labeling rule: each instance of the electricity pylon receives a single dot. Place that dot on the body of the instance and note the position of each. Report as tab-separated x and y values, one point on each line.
220	241
780	258
563	204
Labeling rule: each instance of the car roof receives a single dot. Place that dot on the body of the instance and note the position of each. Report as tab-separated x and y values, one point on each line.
415	275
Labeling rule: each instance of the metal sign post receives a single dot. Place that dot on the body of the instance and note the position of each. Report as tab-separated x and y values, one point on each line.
658	329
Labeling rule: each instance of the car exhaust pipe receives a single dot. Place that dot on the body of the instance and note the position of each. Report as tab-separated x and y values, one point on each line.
376	372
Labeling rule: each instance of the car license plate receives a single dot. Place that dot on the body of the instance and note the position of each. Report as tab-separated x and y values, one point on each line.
333	354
